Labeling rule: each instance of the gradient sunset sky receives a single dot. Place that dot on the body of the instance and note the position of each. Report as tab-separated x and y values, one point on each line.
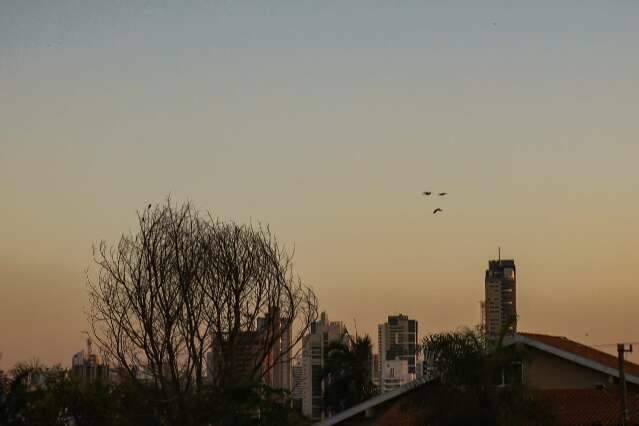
326	120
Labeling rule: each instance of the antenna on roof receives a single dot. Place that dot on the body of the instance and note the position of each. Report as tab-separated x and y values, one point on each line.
499	254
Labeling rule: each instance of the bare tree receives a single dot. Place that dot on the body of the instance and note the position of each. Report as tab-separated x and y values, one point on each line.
185	285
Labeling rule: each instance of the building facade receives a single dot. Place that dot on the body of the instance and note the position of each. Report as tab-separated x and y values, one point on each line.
556	362
397	340
376	373
314	352
500	304
264	352
279	358
395	374
87	367
297	385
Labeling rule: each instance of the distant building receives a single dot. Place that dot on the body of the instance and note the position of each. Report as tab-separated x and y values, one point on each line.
397	340
314	348
242	366
376	372
395	374
87	367
248	360
279	357
576	383
420	368
297	386
500	305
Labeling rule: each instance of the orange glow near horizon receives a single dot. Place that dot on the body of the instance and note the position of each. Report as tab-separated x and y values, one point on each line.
328	125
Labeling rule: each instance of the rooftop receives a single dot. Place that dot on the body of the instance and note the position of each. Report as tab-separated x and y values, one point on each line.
502	263
583	351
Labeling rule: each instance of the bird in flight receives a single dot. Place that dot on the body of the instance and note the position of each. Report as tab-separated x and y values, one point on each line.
437	210
442	194
426	192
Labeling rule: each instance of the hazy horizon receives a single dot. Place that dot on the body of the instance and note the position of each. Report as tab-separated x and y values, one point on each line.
327	121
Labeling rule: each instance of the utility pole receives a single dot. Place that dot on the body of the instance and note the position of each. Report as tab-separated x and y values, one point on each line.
621	349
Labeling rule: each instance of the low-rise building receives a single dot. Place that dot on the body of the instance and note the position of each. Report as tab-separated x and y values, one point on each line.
577	384
556	362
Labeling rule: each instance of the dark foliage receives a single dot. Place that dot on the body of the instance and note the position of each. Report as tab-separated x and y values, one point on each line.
482	378
51	397
348	375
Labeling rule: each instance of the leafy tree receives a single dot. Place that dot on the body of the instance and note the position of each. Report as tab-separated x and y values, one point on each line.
14	396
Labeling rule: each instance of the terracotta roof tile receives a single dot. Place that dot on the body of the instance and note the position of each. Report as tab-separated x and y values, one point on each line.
584	351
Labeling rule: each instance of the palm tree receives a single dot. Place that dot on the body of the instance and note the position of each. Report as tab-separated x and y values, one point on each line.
14	393
469	357
473	366
348	373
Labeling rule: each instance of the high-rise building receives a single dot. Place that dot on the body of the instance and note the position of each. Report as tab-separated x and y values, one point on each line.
500	305
297	386
376	373
279	358
86	366
397	341
314	351
248	358
239	365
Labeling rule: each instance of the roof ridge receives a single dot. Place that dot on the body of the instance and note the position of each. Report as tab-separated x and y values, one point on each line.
590	348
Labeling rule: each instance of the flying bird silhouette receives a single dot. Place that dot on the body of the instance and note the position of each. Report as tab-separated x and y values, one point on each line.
442	194
426	192
437	210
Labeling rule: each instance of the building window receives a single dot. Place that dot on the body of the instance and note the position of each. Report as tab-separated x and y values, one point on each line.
512	374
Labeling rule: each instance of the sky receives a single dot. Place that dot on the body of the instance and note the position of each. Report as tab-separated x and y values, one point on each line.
327	120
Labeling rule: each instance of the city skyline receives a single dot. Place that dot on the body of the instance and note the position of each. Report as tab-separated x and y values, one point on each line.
340	116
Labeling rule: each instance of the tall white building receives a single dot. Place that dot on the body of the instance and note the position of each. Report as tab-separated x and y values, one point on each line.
314	347
397	342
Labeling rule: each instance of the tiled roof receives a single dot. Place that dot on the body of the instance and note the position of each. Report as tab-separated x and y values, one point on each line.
587	407
583	351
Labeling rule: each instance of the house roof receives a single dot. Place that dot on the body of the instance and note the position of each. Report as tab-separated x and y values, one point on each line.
581	354
567	403
376	400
